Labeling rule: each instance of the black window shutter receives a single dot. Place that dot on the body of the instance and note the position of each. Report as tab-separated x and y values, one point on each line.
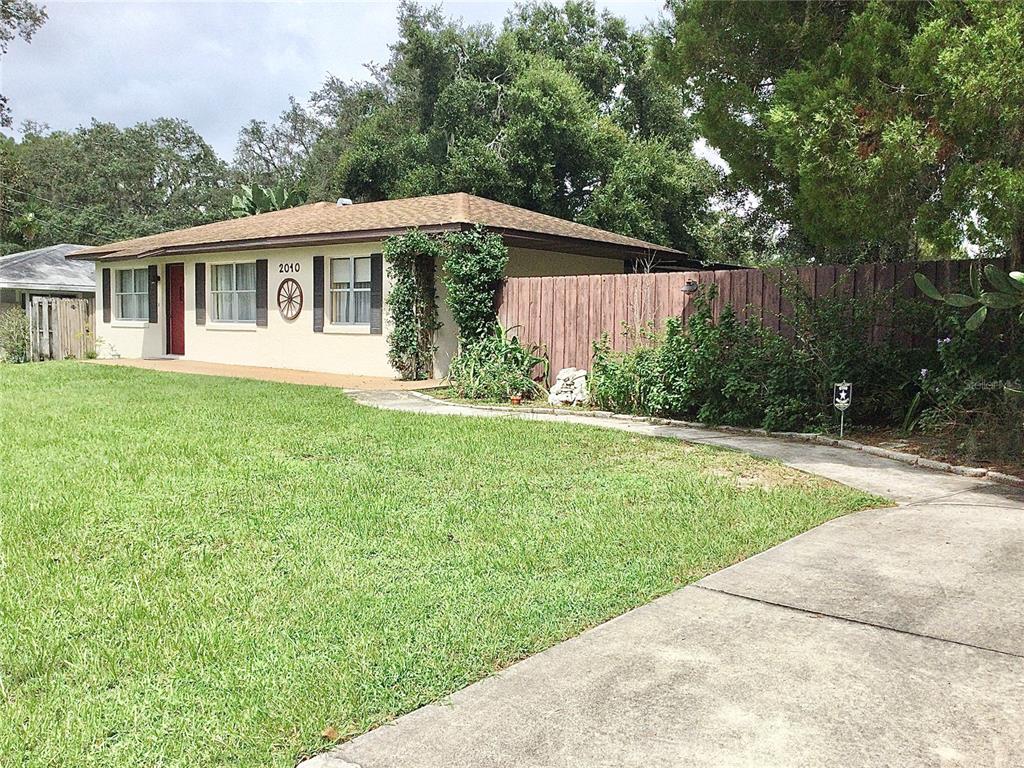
106	295
200	293
318	294
153	279
261	293
376	293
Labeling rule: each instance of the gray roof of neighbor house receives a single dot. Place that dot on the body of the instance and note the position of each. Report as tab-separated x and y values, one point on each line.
324	223
47	269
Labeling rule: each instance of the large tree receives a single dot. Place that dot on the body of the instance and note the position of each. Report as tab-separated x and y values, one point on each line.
558	110
870	129
101	183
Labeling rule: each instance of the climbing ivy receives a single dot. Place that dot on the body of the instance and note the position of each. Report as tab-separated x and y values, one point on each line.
412	303
474	264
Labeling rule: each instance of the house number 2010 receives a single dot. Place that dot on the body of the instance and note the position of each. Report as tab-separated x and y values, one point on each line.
288	269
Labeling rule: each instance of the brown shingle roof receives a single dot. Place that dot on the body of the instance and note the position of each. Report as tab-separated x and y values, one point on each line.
321	223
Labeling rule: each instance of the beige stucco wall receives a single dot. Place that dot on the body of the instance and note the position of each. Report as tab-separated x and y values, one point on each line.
523	262
282	344
293	344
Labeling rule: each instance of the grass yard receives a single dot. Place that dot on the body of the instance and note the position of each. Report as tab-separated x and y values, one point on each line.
198	571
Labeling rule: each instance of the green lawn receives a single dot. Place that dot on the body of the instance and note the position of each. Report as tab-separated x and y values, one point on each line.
200	571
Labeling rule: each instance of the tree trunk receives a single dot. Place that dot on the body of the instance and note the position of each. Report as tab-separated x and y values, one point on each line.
1017	245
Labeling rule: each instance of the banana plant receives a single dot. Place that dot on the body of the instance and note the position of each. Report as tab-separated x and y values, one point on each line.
256	199
1006	291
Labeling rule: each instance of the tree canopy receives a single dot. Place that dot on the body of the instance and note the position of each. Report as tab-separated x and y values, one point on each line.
852	131
868	129
102	183
560	110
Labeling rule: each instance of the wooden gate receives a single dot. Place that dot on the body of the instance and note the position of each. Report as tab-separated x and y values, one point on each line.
61	328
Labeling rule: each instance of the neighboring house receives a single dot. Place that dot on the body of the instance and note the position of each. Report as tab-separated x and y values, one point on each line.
306	287
44	272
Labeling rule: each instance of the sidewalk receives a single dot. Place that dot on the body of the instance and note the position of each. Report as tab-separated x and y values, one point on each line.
887	637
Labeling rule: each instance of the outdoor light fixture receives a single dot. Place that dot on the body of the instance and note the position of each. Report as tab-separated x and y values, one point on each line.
690	286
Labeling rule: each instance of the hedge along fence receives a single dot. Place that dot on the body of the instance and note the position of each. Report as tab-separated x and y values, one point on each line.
568	314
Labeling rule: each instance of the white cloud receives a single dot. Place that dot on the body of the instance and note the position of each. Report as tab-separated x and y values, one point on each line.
215	64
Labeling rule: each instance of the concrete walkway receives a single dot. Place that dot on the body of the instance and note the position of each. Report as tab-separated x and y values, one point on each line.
284	375
887	637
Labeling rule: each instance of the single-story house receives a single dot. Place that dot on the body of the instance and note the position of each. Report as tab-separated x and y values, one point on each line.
306	287
44	272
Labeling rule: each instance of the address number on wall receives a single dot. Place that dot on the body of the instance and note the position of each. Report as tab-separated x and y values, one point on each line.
288	269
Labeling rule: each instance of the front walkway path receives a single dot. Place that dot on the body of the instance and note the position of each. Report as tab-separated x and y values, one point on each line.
886	637
284	375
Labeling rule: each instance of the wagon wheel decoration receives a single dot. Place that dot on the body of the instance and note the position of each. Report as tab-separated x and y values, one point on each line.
289	299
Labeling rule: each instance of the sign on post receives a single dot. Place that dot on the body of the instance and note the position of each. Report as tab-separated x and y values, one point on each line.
842	396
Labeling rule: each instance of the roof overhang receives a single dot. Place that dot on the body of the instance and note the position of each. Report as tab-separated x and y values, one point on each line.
513	237
51	287
258	244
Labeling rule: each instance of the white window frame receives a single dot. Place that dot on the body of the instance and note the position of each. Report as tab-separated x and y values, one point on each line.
215	293
351	291
119	294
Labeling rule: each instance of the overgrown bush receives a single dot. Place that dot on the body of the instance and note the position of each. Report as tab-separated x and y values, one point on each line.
497	367
628	382
727	371
733	372
14	336
961	383
972	393
858	340
724	372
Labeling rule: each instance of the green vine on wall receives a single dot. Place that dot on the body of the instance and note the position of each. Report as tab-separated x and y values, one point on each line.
474	265
412	303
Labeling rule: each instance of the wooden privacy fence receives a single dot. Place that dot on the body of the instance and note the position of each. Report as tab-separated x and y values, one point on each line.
568	314
60	328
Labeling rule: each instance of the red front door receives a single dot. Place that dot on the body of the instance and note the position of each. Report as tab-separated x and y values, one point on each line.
175	295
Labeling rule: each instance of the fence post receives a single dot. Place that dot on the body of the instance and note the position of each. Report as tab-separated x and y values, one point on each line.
31	310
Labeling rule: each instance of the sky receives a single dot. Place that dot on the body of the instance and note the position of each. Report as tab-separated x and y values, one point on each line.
215	64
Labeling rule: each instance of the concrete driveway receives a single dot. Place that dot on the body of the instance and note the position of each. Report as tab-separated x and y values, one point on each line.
887	637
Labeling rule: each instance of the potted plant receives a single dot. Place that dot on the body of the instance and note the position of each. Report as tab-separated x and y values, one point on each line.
516	398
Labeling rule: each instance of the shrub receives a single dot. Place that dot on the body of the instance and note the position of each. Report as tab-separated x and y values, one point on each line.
496	367
724	372
967	386
14	336
733	372
971	393
627	382
728	371
842	339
